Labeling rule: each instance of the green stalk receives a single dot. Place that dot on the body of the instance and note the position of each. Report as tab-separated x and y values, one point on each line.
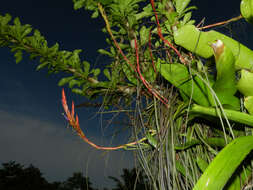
232	115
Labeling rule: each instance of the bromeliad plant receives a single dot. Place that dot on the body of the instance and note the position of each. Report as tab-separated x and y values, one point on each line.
191	123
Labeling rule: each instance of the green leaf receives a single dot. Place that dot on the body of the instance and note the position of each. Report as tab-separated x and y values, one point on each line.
144	35
199	43
42	65
232	115
151	139
27	31
73	82
65	80
104	52
96	72
18	56
77	91
107	74
79	4
181	5
244	84
187	17
202	164
192	86
5	19
248	103
225	86
224	164
129	73
86	67
239	178
246	8
95	14
213	142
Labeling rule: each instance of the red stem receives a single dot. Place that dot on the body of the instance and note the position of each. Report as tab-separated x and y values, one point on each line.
161	35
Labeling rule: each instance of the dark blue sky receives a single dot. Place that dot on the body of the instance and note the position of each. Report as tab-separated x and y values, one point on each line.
32	129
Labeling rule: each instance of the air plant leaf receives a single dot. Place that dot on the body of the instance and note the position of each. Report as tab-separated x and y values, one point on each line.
224	164
246	8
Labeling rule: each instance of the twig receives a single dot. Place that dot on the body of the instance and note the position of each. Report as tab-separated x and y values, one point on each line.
221	23
147	85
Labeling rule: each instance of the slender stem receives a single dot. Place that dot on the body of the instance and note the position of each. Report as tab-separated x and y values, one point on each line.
221	23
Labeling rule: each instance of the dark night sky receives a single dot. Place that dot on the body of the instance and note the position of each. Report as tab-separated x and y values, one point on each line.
32	129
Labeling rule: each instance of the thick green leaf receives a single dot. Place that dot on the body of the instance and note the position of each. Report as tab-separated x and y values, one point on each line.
244	84
192	86
225	66
224	164
225	86
232	115
239	178
199	43
213	142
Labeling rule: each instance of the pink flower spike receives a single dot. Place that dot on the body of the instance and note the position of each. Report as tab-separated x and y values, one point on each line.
77	120
73	110
63	97
64	102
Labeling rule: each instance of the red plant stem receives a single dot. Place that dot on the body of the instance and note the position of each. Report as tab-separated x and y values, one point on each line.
161	35
148	86
126	59
150	51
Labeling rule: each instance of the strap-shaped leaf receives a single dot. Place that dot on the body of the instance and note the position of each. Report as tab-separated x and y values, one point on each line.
225	86
224	164
199	43
192	86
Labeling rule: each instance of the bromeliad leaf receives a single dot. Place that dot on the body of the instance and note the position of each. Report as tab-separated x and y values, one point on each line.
192	86
199	43
224	164
225	86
